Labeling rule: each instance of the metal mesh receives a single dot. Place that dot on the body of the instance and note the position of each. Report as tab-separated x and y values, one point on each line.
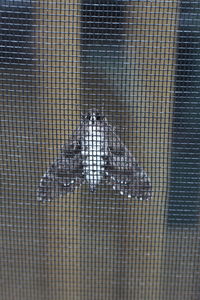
137	62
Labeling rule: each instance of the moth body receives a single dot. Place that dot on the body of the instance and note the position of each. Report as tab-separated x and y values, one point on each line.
94	152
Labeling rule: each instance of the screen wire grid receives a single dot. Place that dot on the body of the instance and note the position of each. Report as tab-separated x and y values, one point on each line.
137	63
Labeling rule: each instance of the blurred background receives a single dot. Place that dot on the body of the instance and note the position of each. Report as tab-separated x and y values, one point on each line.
138	61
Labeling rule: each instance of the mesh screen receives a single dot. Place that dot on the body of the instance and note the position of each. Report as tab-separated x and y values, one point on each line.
138	64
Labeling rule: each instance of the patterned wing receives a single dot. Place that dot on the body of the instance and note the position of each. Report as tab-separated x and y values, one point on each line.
123	172
65	174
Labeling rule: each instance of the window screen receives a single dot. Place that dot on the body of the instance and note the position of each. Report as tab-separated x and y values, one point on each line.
99	150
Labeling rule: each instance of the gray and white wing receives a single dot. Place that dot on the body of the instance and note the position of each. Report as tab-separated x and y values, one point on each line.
123	172
64	174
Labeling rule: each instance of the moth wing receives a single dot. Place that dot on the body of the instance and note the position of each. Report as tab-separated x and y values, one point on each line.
65	174
124	173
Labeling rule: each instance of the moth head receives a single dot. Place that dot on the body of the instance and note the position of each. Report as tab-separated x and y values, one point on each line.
93	115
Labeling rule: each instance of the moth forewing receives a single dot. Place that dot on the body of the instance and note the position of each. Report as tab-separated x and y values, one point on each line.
65	174
124	173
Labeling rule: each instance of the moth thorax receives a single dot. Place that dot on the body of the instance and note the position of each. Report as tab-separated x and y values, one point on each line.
94	155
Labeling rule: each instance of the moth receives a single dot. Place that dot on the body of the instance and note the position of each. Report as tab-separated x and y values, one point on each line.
92	154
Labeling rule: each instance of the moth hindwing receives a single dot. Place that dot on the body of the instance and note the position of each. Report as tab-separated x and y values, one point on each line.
93	153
